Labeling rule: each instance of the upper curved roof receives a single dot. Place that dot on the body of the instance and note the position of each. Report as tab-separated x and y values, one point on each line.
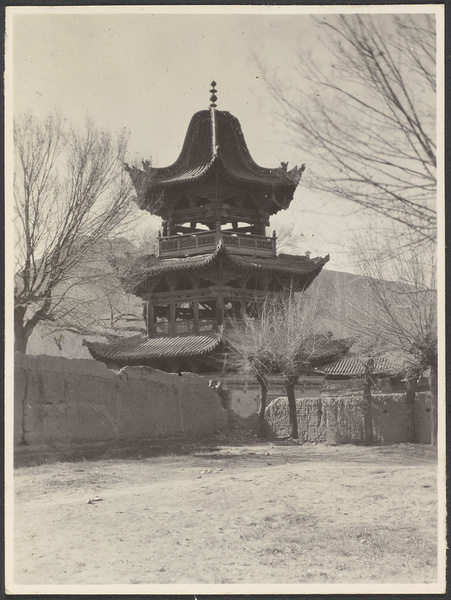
214	144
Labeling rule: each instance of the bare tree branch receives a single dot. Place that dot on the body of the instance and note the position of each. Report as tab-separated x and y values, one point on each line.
401	316
364	118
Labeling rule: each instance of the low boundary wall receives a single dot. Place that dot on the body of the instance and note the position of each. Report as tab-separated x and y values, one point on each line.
345	419
60	400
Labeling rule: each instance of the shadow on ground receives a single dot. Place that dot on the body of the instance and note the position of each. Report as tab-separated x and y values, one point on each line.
27	456
238	442
219	448
241	432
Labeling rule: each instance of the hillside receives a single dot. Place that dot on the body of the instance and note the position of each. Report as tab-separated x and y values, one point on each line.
340	294
93	305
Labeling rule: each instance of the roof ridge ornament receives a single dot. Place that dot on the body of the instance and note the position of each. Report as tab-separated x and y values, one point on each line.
213	96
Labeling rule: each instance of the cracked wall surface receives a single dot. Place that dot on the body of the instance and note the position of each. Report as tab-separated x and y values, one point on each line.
60	400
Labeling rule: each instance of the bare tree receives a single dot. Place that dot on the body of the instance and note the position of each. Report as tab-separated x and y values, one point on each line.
249	340
400	318
70	192
289	237
285	338
365	116
299	344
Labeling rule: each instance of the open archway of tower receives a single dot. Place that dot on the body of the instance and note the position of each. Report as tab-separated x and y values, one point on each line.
162	286
183	202
275	285
184	284
205	283
233	283
253	283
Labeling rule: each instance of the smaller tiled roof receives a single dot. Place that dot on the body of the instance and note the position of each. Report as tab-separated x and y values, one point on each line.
343	385
142	348
357	384
354	367
328	350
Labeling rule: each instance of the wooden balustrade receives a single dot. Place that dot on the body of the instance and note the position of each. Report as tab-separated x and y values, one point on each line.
189	326
199	243
183	326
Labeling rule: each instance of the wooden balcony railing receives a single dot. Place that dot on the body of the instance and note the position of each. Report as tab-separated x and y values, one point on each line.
185	326
161	328
208	325
200	243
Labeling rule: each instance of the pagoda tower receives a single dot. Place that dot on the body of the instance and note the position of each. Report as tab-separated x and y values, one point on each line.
214	257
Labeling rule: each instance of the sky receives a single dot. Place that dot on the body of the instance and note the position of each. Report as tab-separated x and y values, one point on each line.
148	73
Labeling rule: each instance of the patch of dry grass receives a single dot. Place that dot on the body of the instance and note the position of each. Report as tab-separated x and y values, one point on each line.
232	514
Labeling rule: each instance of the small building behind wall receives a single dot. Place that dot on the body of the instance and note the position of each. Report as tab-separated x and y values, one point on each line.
396	416
343	414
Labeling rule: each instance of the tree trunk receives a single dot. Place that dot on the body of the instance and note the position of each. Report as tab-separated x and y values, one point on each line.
263	396
21	331
434	403
410	398
368	410
289	387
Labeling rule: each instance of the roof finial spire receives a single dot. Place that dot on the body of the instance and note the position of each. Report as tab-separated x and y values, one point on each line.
213	97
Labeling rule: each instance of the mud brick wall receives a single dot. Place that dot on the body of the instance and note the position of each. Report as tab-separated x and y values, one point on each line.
341	419
245	391
423	417
392	419
60	400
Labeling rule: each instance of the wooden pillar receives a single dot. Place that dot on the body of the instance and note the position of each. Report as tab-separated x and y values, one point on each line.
220	310
150	323
172	318
259	229
171	227
196	315
165	228
145	311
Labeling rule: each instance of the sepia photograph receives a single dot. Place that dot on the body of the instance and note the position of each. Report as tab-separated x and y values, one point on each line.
224	305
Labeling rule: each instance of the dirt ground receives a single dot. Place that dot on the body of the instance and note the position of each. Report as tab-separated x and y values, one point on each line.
222	512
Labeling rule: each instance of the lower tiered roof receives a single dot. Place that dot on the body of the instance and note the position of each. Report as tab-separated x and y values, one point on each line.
139	350
152	350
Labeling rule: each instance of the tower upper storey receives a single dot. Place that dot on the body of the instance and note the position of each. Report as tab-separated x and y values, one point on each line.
214	180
